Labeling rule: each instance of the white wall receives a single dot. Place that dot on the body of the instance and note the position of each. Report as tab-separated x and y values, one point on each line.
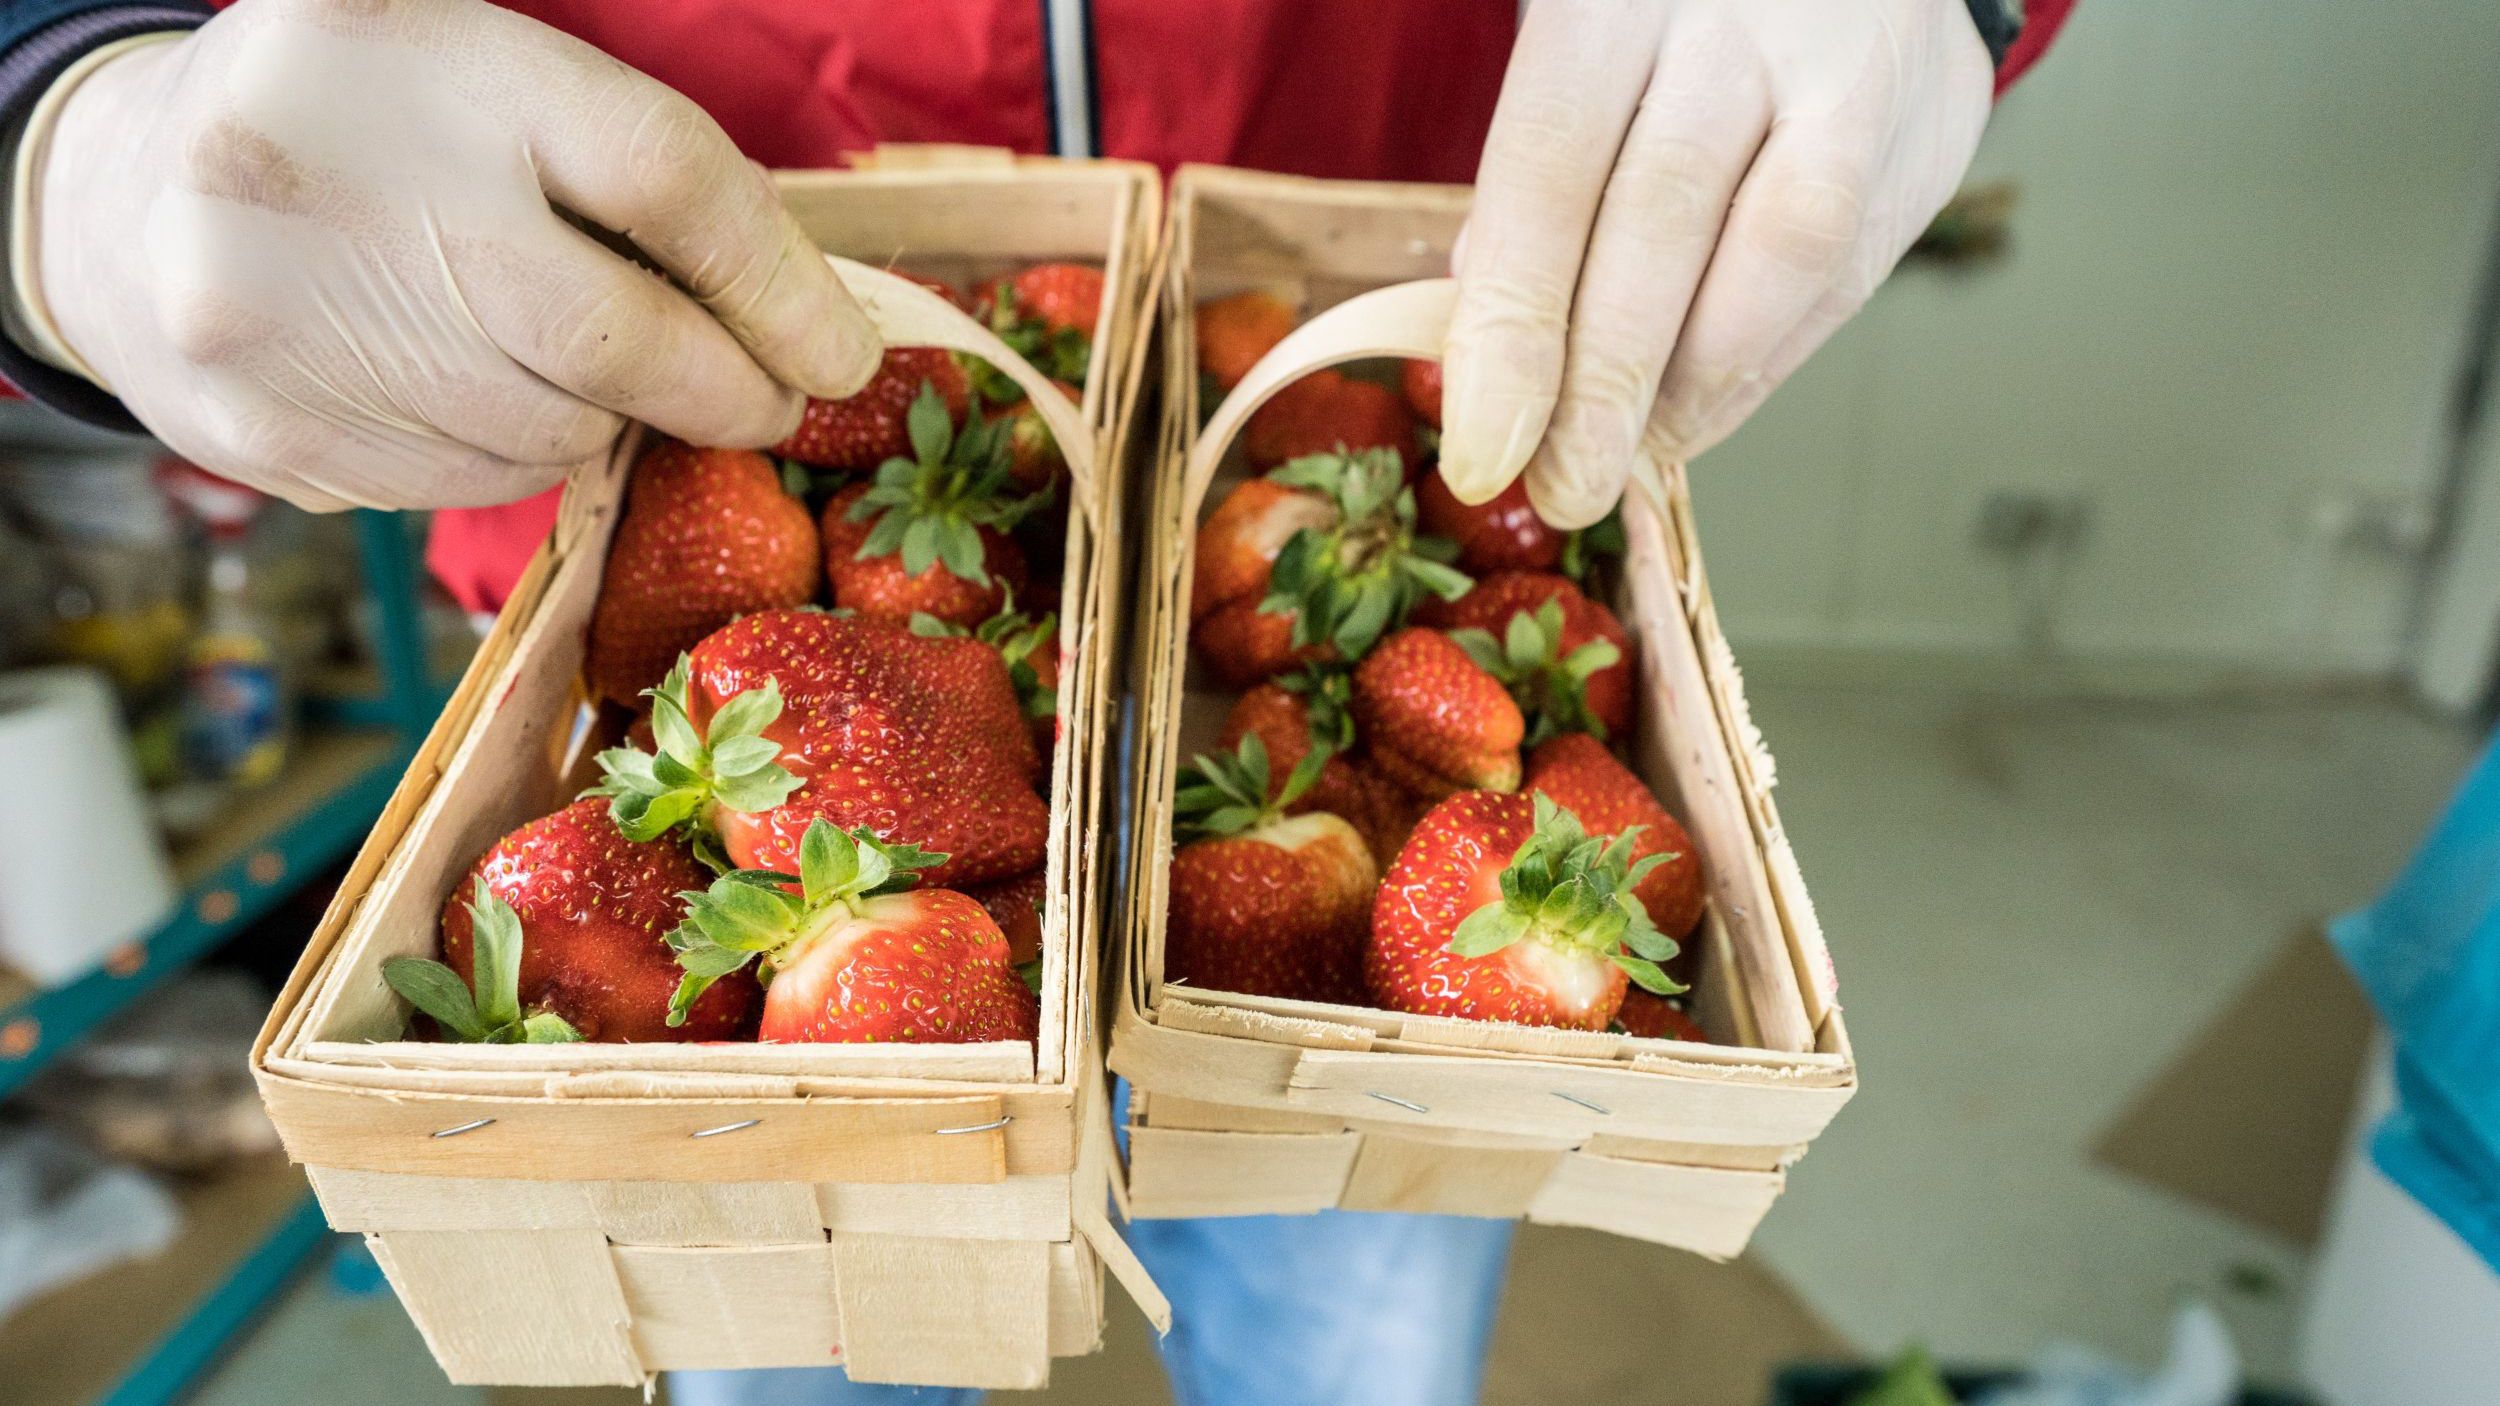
2249	235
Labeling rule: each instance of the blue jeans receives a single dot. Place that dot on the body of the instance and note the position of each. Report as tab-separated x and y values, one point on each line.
1342	1308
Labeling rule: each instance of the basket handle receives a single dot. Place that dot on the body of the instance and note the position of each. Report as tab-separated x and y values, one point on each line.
908	315
1403	319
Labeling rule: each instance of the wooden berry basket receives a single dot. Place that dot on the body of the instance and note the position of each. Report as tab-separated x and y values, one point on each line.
1247	1105
582	1214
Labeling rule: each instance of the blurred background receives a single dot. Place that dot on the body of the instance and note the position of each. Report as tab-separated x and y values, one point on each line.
2120	594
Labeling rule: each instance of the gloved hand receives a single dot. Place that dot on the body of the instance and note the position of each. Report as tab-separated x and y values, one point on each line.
322	247
1679	201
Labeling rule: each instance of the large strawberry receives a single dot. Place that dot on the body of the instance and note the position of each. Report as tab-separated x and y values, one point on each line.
1584	778
1432	720
707	535
872	425
1263	903
1307	709
1330	412
1504	534
568	916
787	717
1234	332
1501	907
930	534
858	954
1320	556
1562	655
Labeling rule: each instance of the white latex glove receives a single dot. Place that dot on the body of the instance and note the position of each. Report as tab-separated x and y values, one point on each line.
1679	201
317	247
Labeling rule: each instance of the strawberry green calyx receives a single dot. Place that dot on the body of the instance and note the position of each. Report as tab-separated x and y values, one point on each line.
1327	694
486	1010
1351	583
1019	640
749	914
1550	687
1571	890
1585	547
730	763
1226	794
931	507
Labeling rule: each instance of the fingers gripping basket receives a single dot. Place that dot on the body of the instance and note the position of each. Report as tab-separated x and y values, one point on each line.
580	1214
1250	1105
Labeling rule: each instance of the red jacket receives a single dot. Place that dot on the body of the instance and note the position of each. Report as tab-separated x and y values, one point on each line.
1382	89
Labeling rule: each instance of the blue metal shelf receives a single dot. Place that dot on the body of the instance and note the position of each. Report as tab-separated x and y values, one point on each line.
194	1345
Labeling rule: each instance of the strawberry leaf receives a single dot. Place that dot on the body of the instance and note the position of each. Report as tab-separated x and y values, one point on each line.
931	424
1649	975
495	958
438	991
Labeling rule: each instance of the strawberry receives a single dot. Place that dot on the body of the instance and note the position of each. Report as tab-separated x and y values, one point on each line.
1584	778
1502	535
1432	720
1330	412
1320	555
858	955
707	536
569	916
1029	648
1501	907
1654	1017
1564	657
930	534
1308	709
1033	457
786	717
1045	314
1264	904
1234	332
872	425
1421	380
1016	905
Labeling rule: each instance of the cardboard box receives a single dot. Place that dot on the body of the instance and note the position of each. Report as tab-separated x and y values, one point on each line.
1249	1105
595	1213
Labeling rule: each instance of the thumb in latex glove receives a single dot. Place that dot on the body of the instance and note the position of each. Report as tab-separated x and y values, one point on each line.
322	247
1679	201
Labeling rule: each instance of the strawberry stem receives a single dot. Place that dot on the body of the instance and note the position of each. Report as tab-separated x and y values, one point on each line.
731	764
1352	583
1550	687
1226	794
931	508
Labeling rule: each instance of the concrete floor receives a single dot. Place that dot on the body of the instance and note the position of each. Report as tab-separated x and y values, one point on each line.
2033	904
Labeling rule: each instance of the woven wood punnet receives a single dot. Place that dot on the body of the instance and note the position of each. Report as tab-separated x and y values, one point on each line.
1247	1105
581	1214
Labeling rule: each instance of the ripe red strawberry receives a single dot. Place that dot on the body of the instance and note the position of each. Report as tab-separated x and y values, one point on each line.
1432	721
1234	332
1016	905
870	427
1422	382
1310	708
930	534
707	536
787	717
1504	908
1045	314
1033	457
1502	535
1584	778
858	955
1262	903
1564	657
571	918
1330	412
1654	1017
1319	556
